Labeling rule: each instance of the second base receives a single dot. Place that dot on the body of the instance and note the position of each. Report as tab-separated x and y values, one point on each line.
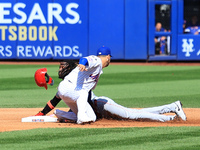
39	119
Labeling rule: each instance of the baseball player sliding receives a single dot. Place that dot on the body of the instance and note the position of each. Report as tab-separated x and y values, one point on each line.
105	107
75	86
95	107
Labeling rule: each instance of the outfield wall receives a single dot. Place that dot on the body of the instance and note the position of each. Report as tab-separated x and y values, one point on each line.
70	29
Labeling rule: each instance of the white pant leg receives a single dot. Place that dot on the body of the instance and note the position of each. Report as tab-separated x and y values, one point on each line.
63	115
161	109
90	112
139	114
72	105
85	111
77	101
67	93
110	106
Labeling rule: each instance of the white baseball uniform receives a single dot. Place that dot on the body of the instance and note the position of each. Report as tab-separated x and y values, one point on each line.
107	108
75	87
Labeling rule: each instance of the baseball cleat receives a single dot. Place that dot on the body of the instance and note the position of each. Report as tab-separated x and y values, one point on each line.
179	111
40	114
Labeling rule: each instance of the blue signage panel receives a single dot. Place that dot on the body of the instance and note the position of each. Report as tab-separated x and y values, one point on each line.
106	26
136	29
72	32
44	29
188	47
35	30
8	36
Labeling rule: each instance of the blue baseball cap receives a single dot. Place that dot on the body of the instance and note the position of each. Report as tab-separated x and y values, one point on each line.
104	51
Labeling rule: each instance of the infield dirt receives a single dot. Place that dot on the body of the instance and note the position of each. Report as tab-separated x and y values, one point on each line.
11	120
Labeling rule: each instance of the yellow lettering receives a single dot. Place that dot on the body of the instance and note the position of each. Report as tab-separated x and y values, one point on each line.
52	33
13	36
32	33
22	33
3	32
42	33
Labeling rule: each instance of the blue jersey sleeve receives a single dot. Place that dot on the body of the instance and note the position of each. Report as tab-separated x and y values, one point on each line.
83	61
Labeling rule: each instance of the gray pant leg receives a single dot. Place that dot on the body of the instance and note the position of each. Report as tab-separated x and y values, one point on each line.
63	115
140	114
126	113
161	109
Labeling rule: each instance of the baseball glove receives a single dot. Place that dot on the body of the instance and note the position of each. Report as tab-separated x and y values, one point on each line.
67	66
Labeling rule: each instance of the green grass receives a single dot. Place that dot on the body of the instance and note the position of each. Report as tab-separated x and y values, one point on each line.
159	138
131	86
136	86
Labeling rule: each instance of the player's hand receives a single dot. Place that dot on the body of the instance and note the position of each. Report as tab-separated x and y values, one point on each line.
82	67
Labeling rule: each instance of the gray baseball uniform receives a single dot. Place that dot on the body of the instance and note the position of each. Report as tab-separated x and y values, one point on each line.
106	108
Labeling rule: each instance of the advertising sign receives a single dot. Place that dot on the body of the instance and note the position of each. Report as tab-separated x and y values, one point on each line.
46	29
188	47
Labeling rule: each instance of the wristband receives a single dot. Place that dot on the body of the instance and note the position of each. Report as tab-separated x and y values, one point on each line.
83	61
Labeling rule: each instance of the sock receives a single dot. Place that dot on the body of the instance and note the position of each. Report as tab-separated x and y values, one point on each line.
51	104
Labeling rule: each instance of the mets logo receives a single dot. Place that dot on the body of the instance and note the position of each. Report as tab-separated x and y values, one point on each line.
187	47
94	77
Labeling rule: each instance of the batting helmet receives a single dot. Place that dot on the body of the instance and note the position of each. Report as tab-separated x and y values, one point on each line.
42	78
